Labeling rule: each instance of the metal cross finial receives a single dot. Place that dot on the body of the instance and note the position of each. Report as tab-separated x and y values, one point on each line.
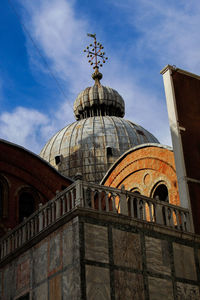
96	55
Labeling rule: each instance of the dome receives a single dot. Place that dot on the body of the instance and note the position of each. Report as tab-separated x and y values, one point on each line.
90	146
98	100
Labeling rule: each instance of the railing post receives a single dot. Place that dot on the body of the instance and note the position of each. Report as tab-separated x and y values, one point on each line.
123	204
40	218
79	191
159	214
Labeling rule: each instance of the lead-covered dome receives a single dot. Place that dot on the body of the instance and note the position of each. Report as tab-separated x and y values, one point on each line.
90	146
98	100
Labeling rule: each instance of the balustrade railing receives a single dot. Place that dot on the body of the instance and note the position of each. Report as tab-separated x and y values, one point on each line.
95	197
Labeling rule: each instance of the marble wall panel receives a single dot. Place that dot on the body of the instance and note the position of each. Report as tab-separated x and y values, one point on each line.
128	286
187	291
40	255
71	283
54	254
9	284
97	283
55	288
96	243
70	244
127	249
41	292
184	261
1	284
160	289
23	274
157	255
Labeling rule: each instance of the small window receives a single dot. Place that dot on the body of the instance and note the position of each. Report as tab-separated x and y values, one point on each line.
140	132
161	193
57	159
109	151
26	205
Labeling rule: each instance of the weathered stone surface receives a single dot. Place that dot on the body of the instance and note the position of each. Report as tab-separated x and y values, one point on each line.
96	243
127	249
184	261
41	292
23	274
71	283
128	286
55	288
157	254
160	289
9	282
40	262
187	291
97	283
54	252
70	243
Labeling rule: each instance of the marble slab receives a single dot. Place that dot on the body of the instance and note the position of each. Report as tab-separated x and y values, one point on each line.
160	289
126	249
128	285
187	291
184	261
157	255
96	243
97	283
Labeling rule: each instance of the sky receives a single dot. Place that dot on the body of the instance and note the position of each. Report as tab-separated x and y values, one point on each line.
43	67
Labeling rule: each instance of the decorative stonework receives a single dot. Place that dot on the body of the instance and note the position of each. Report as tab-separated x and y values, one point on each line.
187	291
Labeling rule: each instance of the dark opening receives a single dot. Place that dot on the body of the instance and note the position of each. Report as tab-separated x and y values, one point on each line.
140	132
26	205
109	151
25	297
161	193
57	159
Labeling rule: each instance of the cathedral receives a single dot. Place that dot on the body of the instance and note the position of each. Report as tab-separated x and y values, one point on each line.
97	214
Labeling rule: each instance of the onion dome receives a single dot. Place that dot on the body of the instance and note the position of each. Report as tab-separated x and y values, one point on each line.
100	135
98	100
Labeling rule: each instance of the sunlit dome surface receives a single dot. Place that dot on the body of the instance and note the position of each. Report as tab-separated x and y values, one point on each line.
90	146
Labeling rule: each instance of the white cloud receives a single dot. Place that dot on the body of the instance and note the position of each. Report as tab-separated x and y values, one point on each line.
22	126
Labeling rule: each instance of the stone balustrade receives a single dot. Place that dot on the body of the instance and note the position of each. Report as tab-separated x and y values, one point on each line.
94	197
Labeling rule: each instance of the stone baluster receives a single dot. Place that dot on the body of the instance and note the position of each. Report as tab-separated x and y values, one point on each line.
131	202
106	201
63	204
150	206
159	214
123	204
68	196
99	200
79	190
58	208
40	218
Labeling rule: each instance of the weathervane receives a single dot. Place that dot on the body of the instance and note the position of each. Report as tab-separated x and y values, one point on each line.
96	57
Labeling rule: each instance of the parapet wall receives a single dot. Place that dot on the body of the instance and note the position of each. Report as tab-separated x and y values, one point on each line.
100	255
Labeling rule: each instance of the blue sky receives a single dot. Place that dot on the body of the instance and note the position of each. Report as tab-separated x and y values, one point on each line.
140	37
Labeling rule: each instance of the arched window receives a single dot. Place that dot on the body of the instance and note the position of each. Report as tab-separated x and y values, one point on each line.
161	193
26	205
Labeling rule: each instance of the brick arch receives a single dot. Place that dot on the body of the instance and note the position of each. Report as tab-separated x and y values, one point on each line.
156	162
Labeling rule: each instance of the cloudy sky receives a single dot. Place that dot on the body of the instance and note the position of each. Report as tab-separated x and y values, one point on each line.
43	67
